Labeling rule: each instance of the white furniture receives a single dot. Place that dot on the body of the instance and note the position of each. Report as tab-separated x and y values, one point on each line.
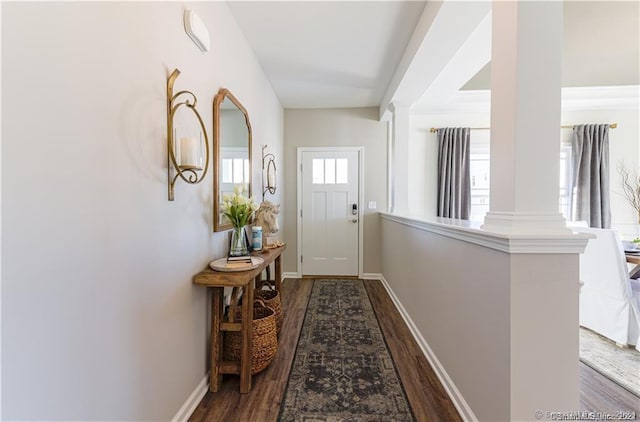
609	299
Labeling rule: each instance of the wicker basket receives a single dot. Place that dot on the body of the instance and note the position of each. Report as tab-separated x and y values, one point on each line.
271	299
264	337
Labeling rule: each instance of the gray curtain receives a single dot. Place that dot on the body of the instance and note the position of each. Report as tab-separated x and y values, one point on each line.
454	181
591	175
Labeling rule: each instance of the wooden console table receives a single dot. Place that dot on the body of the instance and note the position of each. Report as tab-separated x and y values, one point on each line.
217	281
634	259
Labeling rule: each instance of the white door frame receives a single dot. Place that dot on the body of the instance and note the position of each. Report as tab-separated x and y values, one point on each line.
360	151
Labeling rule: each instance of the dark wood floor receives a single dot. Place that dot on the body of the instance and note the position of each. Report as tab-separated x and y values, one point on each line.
426	395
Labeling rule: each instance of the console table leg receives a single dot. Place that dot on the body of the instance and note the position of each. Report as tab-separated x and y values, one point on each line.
217	309
258	281
278	274
247	339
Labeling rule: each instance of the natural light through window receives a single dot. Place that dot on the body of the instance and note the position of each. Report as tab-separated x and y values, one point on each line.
235	170
566	169
341	170
479	173
318	171
479	170
330	171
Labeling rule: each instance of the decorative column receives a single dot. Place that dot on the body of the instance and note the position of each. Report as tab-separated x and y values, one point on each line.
525	160
525	117
400	159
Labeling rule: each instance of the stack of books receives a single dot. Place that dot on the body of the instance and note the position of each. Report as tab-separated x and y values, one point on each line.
239	261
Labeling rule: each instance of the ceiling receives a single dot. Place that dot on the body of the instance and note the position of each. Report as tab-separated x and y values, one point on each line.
328	54
345	53
601	46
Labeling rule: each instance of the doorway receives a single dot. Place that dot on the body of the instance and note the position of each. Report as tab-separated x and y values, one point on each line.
329	211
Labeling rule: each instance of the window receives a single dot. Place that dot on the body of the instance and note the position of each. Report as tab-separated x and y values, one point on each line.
479	173
329	171
235	170
566	172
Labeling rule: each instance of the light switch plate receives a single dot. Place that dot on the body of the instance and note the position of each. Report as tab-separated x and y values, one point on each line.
372	205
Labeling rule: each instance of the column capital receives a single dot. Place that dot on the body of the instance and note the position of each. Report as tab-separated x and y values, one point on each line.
525	223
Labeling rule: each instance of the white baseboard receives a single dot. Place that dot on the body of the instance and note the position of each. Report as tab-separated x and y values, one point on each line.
290	274
456	397
372	276
193	401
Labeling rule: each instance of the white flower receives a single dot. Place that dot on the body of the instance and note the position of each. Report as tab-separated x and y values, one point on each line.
237	207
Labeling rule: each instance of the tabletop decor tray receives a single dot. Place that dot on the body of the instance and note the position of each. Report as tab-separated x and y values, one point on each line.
222	264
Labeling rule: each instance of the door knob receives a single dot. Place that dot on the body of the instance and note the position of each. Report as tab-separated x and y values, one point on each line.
355	220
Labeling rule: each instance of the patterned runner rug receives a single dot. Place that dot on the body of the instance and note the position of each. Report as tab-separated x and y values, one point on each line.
342	369
621	366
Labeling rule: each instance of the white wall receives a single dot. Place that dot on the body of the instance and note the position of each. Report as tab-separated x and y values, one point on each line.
462	314
100	319
338	128
624	145
503	326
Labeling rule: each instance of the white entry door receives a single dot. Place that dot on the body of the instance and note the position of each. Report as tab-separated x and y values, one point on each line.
330	212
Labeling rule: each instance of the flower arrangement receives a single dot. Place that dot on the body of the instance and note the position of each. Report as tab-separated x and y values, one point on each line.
238	208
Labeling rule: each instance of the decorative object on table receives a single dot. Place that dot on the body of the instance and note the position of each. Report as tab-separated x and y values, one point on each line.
189	149
271	298
239	258
256	238
223	265
263	333
274	245
631	188
232	146
268	173
266	217
342	369
238	209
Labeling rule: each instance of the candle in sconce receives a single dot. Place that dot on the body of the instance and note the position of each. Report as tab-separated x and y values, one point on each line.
270	179
200	157
189	153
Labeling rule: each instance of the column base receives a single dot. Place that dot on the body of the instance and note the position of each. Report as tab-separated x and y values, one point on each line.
525	223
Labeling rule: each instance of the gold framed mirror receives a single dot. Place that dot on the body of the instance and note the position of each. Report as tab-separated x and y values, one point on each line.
231	152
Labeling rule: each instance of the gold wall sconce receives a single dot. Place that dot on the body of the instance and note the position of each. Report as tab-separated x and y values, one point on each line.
268	173
190	149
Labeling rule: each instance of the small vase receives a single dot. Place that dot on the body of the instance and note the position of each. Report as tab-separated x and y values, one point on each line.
239	245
